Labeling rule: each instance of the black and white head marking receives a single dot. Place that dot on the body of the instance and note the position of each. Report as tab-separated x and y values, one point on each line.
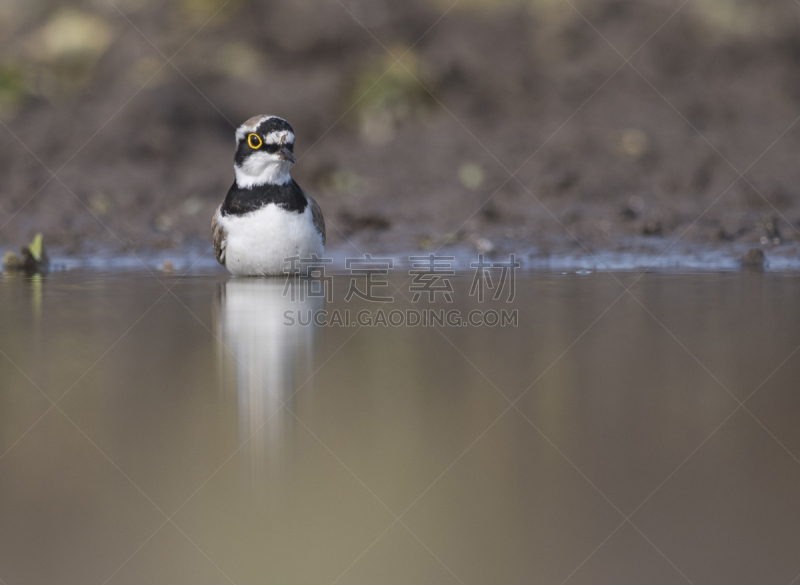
264	152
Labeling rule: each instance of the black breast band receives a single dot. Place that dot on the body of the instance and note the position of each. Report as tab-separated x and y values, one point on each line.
240	201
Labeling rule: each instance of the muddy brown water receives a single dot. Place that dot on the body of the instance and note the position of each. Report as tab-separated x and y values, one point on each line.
193	436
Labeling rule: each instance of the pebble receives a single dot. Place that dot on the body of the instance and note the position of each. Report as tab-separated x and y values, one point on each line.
754	259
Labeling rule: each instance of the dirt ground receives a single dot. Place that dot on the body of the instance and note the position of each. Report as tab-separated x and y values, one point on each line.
509	123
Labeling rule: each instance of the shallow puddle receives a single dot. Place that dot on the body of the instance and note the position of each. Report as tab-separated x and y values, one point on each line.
213	430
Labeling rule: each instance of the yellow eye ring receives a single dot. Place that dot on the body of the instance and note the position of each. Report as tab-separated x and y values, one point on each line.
255	142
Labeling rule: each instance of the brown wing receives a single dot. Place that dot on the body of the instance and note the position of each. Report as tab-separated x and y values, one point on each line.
220	238
316	213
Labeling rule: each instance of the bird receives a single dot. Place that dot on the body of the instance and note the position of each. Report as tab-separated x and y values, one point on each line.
266	218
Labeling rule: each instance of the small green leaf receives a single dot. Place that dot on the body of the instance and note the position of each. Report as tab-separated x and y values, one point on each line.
37	247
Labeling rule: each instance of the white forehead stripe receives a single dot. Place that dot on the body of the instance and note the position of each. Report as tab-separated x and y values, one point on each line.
280	136
250	126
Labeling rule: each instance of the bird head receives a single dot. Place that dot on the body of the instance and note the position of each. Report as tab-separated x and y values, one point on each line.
264	152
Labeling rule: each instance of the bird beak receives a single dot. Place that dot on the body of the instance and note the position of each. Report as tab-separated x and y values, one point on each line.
286	154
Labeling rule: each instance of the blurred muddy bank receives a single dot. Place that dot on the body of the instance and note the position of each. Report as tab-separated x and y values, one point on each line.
415	154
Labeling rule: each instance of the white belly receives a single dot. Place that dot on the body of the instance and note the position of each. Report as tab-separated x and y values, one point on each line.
259	242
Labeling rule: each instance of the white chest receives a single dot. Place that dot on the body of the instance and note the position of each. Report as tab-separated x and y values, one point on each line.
259	242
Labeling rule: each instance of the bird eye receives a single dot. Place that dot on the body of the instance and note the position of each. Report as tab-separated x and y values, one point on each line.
255	142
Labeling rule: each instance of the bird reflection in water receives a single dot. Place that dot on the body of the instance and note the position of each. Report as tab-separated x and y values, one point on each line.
273	358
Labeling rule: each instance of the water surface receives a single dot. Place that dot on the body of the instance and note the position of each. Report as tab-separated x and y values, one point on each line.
159	429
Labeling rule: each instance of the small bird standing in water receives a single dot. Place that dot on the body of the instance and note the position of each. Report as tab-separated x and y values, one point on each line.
266	216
